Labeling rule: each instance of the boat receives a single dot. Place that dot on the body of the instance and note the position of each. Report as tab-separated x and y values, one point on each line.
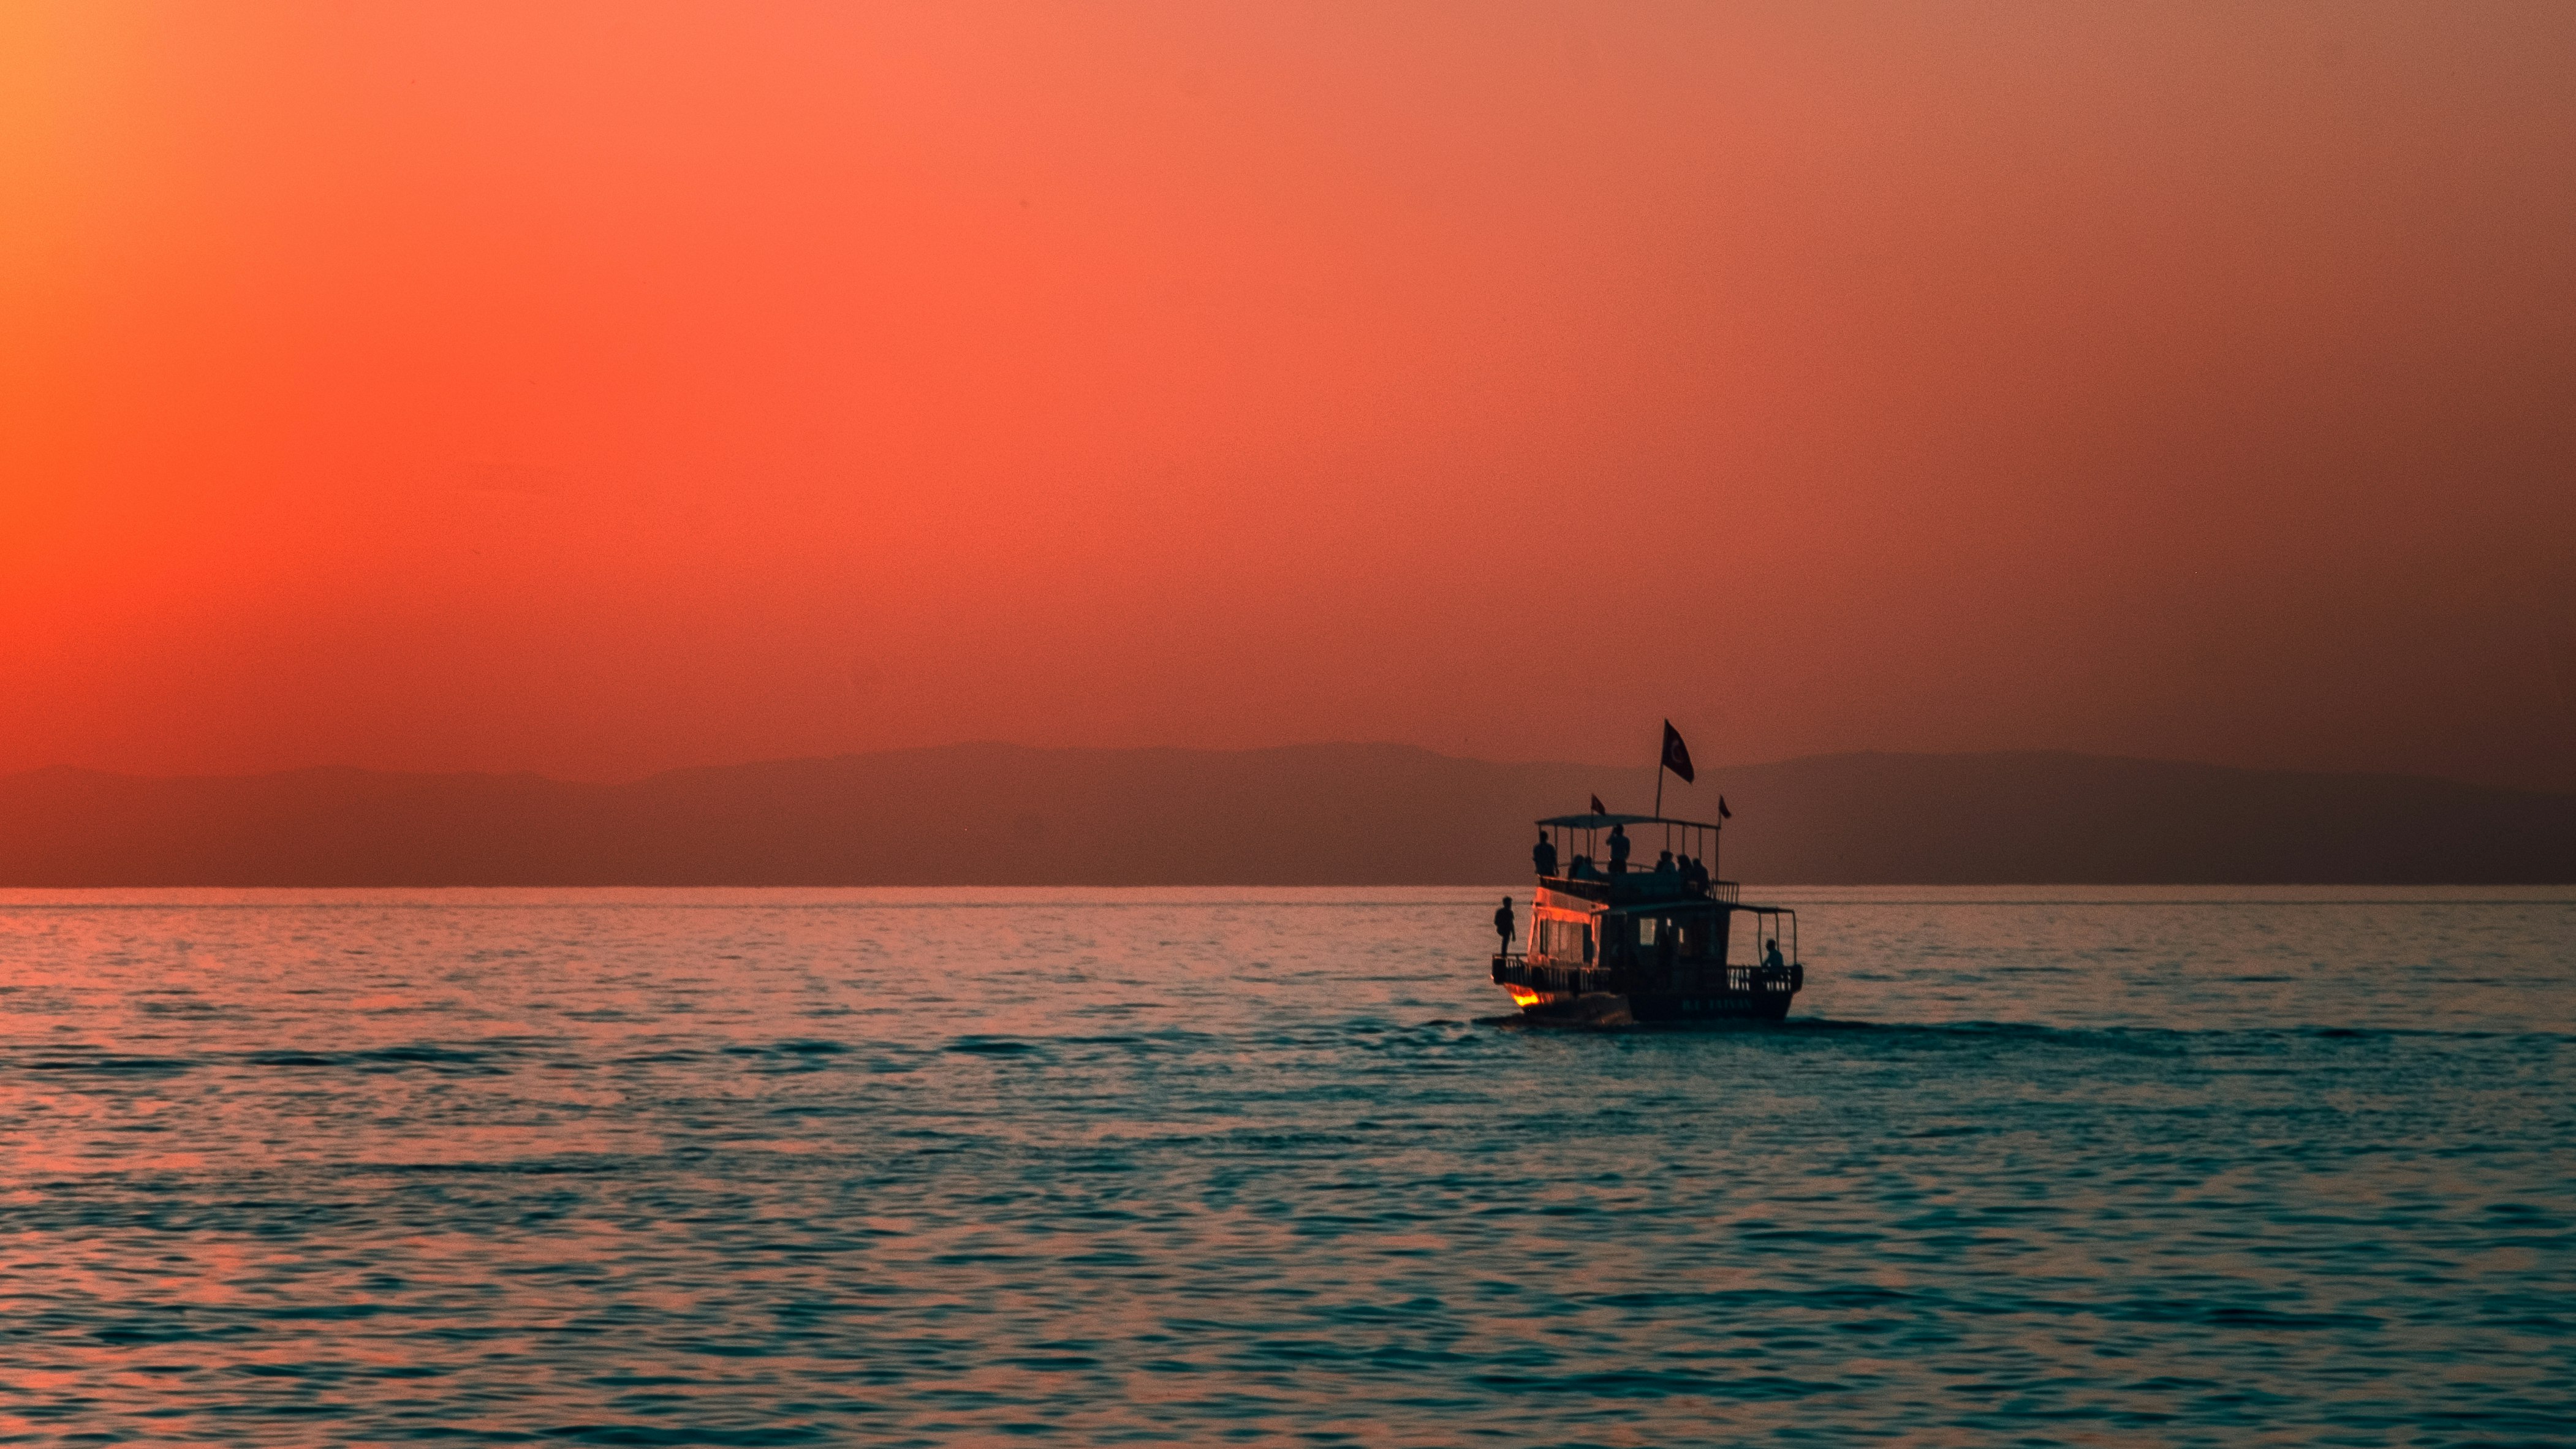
1608	944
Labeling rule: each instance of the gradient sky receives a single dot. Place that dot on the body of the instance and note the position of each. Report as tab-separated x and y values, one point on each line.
595	389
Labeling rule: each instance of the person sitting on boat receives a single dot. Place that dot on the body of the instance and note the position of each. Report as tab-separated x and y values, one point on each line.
1582	869
1771	955
1694	876
1618	850
1543	855
1503	924
1664	864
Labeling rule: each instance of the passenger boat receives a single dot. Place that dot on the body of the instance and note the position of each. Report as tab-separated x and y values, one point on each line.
1609	943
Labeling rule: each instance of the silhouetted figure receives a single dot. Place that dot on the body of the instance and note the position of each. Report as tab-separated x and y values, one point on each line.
1695	875
1664	864
1503	924
1543	855
1618	850
1583	869
1771	955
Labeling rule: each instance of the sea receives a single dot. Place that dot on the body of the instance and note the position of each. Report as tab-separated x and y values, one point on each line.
1246	1166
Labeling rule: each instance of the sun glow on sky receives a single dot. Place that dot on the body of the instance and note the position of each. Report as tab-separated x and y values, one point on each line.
596	388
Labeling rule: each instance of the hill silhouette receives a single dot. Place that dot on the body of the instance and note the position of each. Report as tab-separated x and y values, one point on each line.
1339	814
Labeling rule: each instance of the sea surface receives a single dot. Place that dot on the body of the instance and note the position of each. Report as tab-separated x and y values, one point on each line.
2092	1166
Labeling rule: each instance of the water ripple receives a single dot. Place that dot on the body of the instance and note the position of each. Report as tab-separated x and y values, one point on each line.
789	1168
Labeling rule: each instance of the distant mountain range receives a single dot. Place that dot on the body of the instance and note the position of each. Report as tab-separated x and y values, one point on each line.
1311	814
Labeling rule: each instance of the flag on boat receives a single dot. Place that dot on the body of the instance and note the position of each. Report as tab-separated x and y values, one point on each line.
1676	754
1598	808
1722	812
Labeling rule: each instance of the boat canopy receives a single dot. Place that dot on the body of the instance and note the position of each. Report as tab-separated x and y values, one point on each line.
1604	822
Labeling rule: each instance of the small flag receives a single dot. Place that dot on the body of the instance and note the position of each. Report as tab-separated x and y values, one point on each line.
1722	812
1598	808
1676	754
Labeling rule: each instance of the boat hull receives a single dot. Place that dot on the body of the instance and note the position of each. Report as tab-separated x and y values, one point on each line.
1602	998
1603	1008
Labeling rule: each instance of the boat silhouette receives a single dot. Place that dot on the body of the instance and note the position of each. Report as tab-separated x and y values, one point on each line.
1609	944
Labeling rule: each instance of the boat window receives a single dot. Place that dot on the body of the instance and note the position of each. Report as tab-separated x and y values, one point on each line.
1556	939
1562	940
1645	930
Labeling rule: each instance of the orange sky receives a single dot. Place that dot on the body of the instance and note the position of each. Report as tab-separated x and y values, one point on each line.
599	388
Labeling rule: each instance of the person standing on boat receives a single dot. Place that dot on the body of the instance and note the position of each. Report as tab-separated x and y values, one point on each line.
1618	850
1771	955
1543	854
1503	924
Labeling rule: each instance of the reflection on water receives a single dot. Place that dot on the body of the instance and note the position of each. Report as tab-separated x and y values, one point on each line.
2223	1167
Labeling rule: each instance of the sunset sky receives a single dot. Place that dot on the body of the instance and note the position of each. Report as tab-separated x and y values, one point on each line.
600	388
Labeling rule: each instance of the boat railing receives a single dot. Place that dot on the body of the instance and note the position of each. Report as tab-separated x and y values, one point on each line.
1631	883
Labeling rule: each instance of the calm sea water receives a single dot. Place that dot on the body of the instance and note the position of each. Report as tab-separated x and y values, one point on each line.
2026	1167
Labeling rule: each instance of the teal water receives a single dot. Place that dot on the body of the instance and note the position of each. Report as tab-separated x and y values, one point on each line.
2046	1167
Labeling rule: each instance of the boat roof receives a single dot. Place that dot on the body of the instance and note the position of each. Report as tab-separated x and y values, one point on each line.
1604	822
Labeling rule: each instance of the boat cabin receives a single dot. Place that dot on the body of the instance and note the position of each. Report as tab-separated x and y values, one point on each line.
1670	937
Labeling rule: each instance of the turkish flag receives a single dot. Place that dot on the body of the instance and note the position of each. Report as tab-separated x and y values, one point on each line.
1676	754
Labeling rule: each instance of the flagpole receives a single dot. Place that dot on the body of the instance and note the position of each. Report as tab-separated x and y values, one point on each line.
1659	777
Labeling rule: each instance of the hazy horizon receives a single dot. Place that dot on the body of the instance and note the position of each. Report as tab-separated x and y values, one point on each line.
1334	814
1712	771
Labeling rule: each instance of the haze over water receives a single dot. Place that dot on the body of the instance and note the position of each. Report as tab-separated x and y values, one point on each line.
2065	1166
